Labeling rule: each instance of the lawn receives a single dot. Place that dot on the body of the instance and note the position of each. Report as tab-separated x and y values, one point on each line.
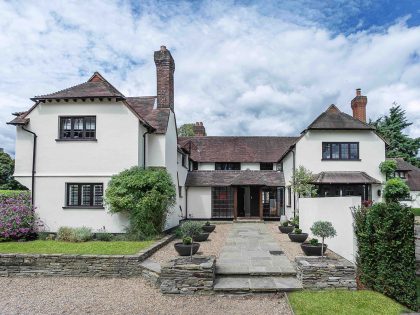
416	211
343	302
55	247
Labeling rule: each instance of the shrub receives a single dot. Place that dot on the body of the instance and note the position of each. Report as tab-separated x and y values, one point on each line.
83	234
187	240
323	229
65	234
298	231
191	228
388	168
295	221
207	223
145	195
178	233
396	189
314	241
286	223
103	235
386	251
17	216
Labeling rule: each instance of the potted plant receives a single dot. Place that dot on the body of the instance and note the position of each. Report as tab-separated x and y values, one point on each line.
207	227
187	247
295	221
323	229
203	236
297	236
286	228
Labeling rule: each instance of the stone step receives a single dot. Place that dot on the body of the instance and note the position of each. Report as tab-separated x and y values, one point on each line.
228	270
256	284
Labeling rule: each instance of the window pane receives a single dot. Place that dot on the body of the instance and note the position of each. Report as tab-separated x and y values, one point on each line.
98	195
73	195
66	127
90	127
344	151
78	128
86	192
335	151
266	166
222	202
354	151
326	151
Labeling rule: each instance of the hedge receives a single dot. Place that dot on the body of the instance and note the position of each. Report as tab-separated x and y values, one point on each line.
13	193
386	250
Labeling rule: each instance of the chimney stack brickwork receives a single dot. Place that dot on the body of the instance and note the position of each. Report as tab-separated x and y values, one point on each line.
165	68
358	105
199	130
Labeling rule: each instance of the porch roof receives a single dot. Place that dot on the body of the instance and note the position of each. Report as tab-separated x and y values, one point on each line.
344	177
235	178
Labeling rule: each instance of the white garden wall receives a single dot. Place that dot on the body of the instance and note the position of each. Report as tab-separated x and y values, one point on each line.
336	210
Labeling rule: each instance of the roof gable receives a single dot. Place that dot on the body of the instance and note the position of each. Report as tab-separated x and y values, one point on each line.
335	119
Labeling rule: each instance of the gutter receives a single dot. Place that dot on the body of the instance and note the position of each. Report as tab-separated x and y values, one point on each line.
294	194
33	164
144	148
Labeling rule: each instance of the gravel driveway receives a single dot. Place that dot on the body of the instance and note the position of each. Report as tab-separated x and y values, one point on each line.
121	296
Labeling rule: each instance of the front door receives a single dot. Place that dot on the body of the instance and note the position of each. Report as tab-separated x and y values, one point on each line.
255	201
248	201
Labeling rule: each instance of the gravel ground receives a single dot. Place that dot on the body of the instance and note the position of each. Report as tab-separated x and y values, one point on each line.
212	246
121	296
290	248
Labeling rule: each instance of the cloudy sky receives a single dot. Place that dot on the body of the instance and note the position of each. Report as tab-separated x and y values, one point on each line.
242	67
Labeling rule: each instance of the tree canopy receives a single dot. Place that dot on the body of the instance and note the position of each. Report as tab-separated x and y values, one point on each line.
391	127
186	130
7	167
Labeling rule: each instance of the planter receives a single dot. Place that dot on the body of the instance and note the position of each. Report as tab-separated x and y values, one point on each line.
209	228
298	238
201	237
185	250
312	250
286	229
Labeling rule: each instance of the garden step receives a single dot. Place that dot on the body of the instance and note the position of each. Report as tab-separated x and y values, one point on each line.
256	284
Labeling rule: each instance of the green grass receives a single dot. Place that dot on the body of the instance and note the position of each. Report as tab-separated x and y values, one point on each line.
343	302
55	247
418	290
416	211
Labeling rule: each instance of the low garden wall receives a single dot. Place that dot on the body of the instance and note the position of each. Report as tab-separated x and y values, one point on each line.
182	275
317	273
80	265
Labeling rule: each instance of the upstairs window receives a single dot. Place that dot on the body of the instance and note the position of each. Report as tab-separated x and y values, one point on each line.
266	166
227	166
340	150
400	174
78	128
84	195
195	166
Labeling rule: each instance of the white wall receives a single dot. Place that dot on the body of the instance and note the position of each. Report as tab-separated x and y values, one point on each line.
250	166
415	199
206	167
155	150
288	173
336	210
199	202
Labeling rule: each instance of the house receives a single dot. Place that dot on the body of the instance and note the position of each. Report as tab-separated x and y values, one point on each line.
411	175
249	177
70	143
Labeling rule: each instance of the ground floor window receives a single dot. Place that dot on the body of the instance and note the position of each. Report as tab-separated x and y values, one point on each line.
84	195
222	202
337	190
273	201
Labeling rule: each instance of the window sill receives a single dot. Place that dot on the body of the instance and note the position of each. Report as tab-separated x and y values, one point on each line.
340	160
64	140
84	207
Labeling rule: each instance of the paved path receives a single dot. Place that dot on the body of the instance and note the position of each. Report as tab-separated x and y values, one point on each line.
251	250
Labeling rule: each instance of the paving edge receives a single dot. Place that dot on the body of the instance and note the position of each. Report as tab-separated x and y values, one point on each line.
286	295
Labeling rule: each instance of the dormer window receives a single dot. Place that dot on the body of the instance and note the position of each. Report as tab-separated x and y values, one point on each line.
400	174
78	128
340	151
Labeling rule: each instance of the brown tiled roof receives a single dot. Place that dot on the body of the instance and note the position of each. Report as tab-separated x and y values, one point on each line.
413	173
333	118
19	121
237	149
156	117
96	86
344	177
229	178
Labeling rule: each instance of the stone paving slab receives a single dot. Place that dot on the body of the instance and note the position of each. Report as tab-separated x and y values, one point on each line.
247	251
257	284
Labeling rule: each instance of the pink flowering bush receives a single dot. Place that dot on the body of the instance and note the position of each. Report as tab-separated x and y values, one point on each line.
17	217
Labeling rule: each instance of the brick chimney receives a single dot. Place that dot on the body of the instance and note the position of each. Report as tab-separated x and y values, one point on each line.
358	105
165	68
199	130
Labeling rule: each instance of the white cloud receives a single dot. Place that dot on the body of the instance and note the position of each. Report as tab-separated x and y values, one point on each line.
239	69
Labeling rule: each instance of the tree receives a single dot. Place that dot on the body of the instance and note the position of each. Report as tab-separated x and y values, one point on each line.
388	168
396	189
323	229
302	182
391	128
7	167
146	195
186	130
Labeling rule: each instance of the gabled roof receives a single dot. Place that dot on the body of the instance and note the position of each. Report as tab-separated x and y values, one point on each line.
402	165
333	118
344	177
413	173
156	117
95	87
236	149
233	178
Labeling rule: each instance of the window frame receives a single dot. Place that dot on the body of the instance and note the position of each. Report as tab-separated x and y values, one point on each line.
230	166
72	130
79	196
264	168
340	152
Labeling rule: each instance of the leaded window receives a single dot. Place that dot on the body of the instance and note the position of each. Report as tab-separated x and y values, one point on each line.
222	202
84	195
340	150
77	128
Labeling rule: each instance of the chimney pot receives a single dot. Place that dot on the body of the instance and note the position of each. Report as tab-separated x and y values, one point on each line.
358	92
358	105
199	129
162	48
